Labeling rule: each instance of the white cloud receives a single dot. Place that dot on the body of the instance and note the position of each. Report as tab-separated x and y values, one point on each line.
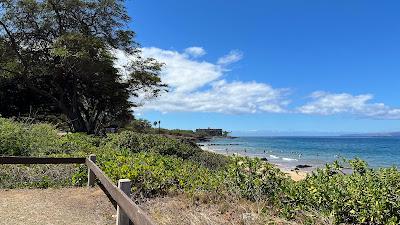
232	57
324	103
195	51
224	97
199	86
182	73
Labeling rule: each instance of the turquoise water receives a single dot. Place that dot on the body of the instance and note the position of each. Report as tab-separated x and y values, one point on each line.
316	151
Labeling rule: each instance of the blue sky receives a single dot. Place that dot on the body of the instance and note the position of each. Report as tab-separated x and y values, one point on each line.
274	66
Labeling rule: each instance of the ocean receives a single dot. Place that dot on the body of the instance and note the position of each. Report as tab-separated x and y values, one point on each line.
287	152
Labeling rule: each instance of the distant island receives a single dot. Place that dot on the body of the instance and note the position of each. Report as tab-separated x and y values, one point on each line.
383	134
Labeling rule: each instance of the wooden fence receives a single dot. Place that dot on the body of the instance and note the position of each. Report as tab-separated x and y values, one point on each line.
127	210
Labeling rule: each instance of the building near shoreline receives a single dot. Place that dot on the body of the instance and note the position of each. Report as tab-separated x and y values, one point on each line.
209	132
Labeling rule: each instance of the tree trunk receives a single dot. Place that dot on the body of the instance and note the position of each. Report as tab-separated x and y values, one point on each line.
77	122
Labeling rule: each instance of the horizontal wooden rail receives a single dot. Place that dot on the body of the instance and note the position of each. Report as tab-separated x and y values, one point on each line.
135	214
36	160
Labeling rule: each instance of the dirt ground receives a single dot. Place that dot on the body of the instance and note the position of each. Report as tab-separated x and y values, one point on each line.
89	206
69	206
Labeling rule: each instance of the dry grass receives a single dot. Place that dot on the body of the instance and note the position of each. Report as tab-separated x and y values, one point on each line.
39	176
180	210
69	206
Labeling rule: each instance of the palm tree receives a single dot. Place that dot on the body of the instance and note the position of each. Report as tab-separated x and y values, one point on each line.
159	126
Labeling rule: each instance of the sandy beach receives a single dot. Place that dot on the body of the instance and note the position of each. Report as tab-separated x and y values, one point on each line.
294	175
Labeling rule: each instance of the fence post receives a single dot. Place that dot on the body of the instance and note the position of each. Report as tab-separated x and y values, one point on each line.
91	175
125	186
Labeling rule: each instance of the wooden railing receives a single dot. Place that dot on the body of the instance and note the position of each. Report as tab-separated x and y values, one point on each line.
35	160
127	210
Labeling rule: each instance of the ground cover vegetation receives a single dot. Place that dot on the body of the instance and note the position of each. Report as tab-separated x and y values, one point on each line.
160	166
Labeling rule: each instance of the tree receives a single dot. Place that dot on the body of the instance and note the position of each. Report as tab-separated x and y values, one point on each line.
225	133
159	126
139	125
60	54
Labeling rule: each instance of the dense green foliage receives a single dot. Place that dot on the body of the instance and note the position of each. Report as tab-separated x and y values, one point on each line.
57	57
137	142
158	165
152	174
26	139
366	196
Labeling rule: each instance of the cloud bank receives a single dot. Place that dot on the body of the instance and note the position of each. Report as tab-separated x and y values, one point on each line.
197	85
324	103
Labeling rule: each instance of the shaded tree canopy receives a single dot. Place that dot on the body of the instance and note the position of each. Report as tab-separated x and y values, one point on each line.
56	57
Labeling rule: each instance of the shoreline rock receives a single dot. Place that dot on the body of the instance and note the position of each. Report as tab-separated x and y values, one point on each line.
302	166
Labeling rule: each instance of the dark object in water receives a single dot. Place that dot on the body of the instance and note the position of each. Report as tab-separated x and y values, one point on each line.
303	166
222	144
264	159
331	173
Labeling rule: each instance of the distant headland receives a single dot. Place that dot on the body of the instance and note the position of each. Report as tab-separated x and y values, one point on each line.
383	134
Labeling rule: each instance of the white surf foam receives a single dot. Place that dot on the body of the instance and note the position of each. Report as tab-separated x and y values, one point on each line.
274	157
289	159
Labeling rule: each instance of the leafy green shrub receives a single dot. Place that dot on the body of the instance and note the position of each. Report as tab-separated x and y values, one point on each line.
210	160
20	139
42	139
79	144
12	137
255	179
137	142
366	196
154	174
79	178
